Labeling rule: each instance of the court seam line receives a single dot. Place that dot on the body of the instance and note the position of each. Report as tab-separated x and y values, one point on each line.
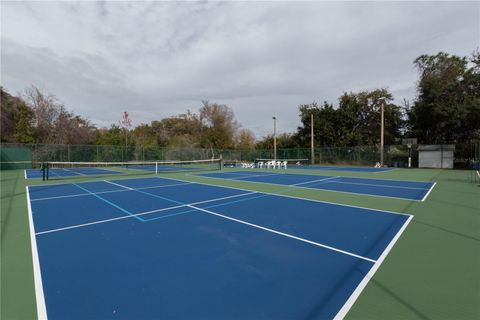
431	188
151	194
37	273
140	214
180	204
110	203
284	234
289	196
212	206
370	274
347	192
104	192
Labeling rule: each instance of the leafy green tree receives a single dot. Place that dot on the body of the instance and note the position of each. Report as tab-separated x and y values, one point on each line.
356	121
112	136
187	126
284	141
23	129
325	123
447	109
9	106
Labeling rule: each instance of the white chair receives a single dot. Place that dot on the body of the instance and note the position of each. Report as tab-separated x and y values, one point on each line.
260	164
284	164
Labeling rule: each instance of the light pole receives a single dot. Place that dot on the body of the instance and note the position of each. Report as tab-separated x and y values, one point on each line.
274	138
381	132
311	138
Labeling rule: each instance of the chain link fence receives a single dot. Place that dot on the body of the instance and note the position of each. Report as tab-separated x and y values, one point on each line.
15	156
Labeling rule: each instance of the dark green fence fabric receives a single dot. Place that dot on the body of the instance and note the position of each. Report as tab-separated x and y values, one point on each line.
26	155
15	157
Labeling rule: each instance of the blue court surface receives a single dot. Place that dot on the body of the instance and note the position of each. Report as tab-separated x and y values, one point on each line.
350	169
156	248
408	190
68	172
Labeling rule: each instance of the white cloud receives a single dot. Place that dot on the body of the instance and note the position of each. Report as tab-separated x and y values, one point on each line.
157	59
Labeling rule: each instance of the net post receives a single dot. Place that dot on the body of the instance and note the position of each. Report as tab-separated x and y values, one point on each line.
45	172
220	162
156	167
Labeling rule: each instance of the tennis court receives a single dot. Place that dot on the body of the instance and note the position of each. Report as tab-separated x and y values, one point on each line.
337	168
165	248
61	170
68	172
408	190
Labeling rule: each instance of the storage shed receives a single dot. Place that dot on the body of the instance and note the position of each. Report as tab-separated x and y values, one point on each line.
436	156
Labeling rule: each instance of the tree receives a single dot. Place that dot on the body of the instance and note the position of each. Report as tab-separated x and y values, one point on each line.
219	126
9	109
245	140
355	122
447	109
326	125
284	141
187	126
45	109
112	136
23	129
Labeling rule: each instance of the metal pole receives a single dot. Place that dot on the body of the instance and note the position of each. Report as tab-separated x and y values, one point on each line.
381	135
274	138
311	139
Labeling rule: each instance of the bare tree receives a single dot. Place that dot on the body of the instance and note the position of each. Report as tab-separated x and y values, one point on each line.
245	140
219	125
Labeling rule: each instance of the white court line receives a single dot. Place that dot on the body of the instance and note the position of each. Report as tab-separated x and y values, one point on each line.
110	191
358	290
284	234
143	213
74	172
377	185
37	274
313	181
293	197
247	175
249	190
390	169
118	185
308	188
345	182
425	197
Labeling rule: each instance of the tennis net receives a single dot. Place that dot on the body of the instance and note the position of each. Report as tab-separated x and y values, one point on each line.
59	170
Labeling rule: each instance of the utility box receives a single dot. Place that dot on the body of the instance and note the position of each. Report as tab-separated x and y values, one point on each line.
436	156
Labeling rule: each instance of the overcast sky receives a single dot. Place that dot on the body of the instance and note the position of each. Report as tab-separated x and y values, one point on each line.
262	59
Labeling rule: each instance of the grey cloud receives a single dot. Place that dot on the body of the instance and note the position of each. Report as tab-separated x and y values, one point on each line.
158	59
